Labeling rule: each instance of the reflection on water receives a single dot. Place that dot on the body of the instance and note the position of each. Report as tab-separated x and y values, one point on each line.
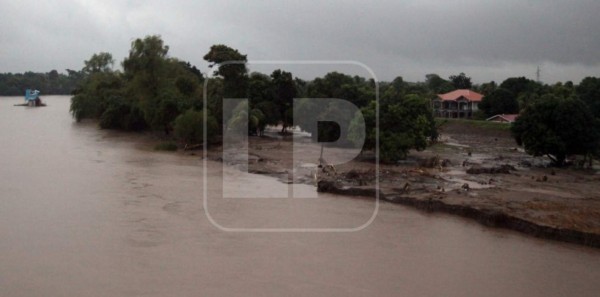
86	212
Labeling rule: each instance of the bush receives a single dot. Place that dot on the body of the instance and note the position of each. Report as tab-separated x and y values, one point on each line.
82	106
112	117
122	114
189	127
95	95
134	121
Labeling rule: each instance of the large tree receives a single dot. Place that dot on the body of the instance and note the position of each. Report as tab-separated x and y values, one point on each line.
231	65
461	81
100	62
151	92
500	101
341	86
284	91
260	94
163	87
437	85
526	91
518	85
145	63
557	127
95	95
589	91
403	125
488	88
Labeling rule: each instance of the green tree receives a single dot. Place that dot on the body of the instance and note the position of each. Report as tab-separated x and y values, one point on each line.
518	85
259	88
284	91
500	101
341	86
557	127
144	66
437	85
214	98
307	106
359	130
122	114
527	99
487	88
100	62
165	111
394	91
242	115
163	87
50	83
261	96
329	86
589	91
189	127
92	99
461	81
151	92
526	91
301	87
53	75
404	125
231	67
565	90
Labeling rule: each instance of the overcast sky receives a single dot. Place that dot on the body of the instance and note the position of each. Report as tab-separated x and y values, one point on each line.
488	40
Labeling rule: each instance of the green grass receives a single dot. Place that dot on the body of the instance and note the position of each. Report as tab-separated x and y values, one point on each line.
166	146
474	123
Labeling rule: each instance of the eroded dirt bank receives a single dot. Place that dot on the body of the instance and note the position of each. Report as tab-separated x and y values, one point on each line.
474	172
492	216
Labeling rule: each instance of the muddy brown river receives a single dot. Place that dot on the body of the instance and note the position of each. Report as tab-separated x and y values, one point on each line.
87	212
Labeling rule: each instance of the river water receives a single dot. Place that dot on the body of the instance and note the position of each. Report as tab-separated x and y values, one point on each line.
87	212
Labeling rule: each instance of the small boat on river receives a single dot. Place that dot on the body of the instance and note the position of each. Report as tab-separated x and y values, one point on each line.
32	98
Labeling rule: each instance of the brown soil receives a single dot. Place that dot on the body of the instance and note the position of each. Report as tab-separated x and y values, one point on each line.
507	188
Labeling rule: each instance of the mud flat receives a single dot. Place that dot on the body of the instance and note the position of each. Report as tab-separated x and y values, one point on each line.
474	173
491	217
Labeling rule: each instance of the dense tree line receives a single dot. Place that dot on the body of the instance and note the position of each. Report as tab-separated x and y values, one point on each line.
50	83
557	121
158	92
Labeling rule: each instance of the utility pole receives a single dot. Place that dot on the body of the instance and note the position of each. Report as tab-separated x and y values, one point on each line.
538	74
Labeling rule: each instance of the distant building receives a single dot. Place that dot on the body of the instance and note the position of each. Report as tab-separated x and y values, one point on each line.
457	104
503	118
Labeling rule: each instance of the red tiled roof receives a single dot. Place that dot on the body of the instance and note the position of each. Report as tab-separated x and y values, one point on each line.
467	94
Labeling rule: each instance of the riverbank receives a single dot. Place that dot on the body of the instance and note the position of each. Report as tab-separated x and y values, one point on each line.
475	172
495	216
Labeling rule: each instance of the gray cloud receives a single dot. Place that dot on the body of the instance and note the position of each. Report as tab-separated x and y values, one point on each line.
488	40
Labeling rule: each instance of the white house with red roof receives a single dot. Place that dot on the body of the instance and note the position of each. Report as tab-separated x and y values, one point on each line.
460	103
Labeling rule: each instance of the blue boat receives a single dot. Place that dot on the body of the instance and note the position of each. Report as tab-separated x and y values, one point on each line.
32	98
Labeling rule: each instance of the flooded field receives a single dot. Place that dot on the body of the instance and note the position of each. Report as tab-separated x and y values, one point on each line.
88	212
